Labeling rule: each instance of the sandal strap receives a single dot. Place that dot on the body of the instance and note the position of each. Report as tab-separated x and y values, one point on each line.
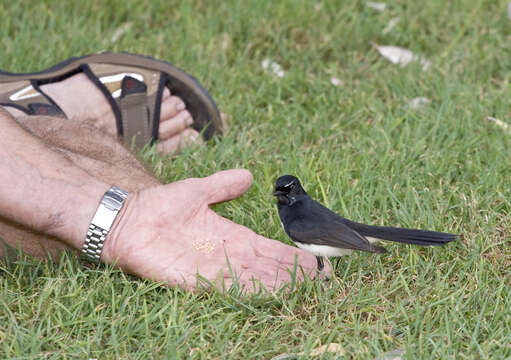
26	96
134	94
44	109
135	112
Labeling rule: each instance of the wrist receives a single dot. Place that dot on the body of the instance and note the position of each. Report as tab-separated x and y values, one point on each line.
106	213
114	249
76	212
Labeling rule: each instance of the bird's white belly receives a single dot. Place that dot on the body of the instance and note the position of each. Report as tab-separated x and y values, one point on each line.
323	250
372	240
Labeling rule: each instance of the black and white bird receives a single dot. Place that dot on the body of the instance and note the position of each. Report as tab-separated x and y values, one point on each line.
317	229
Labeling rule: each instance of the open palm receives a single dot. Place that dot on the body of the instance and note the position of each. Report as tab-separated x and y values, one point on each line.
169	233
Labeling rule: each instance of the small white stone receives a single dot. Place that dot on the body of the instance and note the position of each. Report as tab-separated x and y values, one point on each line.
378	6
335	81
285	357
225	41
397	354
418	103
401	56
275	68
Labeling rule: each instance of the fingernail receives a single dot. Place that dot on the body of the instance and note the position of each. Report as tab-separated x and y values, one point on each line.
189	121
180	106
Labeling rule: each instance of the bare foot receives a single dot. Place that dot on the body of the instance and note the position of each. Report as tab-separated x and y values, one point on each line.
81	100
169	233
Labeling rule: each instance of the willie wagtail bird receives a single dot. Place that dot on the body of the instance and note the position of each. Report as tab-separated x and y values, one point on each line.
319	230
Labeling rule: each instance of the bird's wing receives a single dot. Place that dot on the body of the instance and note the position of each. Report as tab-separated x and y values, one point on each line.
333	233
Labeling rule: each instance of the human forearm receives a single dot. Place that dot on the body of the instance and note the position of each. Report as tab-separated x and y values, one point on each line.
43	190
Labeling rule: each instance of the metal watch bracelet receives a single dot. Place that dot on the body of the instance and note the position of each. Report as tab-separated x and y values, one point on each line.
107	211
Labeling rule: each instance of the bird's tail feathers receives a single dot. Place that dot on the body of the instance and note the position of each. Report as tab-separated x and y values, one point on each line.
406	236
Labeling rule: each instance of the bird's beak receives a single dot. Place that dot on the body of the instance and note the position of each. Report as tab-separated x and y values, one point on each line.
278	192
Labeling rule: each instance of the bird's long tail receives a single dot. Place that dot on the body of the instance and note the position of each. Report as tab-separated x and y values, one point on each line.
407	236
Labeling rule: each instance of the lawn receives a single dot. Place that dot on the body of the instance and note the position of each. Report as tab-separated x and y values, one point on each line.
339	118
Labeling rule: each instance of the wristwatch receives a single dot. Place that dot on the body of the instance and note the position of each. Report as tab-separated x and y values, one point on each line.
107	211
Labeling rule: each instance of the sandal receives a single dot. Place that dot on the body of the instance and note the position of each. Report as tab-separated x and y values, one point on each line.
133	85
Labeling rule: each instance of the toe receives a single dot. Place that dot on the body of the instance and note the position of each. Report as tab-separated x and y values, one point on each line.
177	142
175	125
166	94
170	107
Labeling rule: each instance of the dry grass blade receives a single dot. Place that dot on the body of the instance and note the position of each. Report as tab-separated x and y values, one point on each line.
391	25
500	123
120	32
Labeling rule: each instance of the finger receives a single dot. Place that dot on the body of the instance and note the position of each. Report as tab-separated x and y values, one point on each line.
175	125
284	253
285	260
264	248
226	185
272	261
186	280
289	257
248	281
254	282
242	242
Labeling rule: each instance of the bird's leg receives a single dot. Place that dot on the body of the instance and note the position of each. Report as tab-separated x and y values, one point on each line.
338	262
321	265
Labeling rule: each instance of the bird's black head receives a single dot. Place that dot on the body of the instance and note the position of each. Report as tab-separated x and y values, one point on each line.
287	187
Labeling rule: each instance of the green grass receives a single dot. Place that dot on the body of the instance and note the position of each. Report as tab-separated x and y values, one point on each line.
357	148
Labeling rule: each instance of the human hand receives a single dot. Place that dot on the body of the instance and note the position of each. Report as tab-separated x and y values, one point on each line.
169	233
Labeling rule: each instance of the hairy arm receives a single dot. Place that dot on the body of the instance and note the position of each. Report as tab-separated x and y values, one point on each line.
43	190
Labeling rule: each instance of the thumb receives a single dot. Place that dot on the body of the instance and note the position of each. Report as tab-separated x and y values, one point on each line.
226	185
